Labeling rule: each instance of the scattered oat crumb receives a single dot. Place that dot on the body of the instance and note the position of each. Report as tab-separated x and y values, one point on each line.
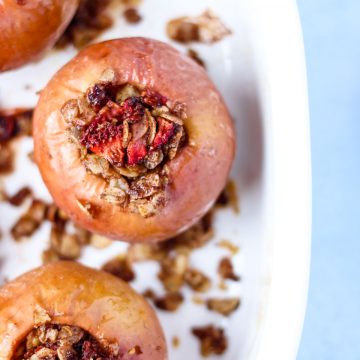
198	300
197	280
227	244
132	15
228	197
149	294
223	306
206	28
226	270
30	221
48	256
172	273
120	267
18	198
195	56
212	339
169	302
100	242
175	342
223	286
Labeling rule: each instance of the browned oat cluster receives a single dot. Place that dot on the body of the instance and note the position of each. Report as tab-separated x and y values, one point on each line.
206	28
64	245
176	272
127	136
13	123
63	342
91	19
212	340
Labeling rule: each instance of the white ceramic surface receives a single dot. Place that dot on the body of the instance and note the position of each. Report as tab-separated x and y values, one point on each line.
260	71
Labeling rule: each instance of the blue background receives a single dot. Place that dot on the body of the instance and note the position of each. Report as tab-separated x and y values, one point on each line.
332	43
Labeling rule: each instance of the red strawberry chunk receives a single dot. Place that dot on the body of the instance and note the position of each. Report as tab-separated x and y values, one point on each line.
153	98
165	132
112	151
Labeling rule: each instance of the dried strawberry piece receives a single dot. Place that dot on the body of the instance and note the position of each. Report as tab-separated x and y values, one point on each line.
165	132
153	98
133	109
7	127
97	96
91	350
112	151
136	151
99	131
111	110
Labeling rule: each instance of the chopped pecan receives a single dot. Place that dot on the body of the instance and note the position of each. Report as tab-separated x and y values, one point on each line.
18	198
206	28
169	302
212	339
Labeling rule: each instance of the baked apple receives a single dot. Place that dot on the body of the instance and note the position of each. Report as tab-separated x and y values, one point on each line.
133	140
68	311
30	27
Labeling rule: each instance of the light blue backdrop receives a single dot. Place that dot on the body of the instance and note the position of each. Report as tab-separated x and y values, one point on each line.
332	41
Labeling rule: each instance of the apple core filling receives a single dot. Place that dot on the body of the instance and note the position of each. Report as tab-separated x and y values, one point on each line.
127	135
63	342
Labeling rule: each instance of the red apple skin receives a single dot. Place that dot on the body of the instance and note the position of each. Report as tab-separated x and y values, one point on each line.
28	28
197	174
72	294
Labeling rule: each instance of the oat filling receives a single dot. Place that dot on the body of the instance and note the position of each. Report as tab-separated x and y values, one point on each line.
63	342
127	135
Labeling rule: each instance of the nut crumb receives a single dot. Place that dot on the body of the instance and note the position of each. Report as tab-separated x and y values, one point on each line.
223	306
120	267
132	16
206	28
18	198
212	340
197	280
226	270
169	302
30	221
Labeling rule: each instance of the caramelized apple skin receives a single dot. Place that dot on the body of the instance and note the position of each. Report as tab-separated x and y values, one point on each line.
72	294
197	174
30	27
